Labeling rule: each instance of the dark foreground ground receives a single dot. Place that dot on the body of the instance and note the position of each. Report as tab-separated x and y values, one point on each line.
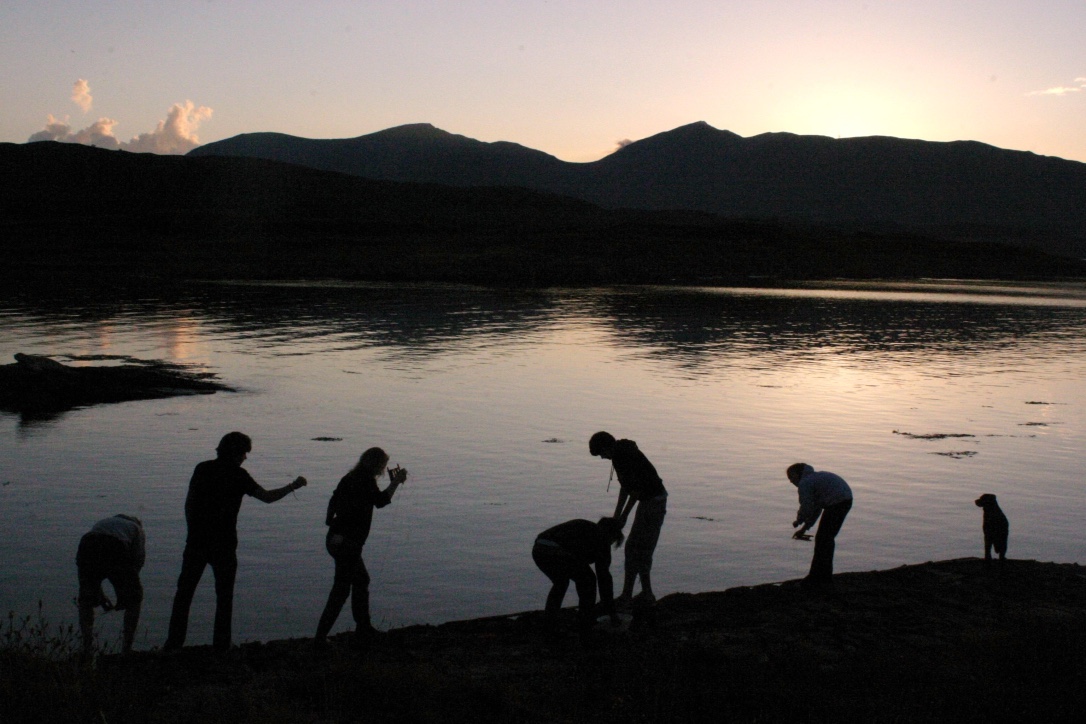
946	641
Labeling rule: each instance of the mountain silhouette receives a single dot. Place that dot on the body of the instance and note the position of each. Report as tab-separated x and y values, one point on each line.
76	213
961	190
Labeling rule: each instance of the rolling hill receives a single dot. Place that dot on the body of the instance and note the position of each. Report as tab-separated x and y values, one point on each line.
959	190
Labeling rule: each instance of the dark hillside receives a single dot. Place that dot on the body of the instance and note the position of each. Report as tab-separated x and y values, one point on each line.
85	212
963	190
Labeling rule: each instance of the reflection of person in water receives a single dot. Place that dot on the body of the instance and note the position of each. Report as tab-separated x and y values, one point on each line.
211	512
566	553
820	493
114	549
350	514
638	484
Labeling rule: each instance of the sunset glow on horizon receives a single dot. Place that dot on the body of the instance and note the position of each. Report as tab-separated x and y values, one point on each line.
566	78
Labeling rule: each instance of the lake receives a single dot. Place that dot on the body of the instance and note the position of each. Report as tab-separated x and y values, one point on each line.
923	396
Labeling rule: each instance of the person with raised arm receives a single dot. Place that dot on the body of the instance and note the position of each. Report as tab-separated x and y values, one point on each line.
211	513
349	518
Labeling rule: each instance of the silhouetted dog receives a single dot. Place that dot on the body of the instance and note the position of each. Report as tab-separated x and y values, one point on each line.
996	527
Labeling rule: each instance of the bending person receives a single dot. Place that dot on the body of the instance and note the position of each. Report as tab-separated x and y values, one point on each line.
114	549
567	553
640	485
211	512
350	514
820	494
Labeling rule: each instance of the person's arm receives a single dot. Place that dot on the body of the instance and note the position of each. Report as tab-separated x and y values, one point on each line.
139	548
606	584
631	501
270	496
809	510
621	507
384	497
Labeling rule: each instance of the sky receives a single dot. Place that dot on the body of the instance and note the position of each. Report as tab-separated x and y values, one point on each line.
573	79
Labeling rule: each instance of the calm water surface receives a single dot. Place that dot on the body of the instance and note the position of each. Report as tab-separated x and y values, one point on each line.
489	397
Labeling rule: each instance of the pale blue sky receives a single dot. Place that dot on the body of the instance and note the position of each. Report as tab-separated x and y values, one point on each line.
568	78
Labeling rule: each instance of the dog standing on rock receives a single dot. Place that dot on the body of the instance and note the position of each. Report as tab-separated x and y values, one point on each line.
996	527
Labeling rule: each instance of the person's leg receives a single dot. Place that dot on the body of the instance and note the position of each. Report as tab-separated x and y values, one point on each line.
90	592
555	568
585	580
833	518
346	557
224	564
193	562
360	596
641	545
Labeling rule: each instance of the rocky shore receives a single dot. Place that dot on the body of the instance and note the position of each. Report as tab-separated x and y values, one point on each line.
40	387
953	640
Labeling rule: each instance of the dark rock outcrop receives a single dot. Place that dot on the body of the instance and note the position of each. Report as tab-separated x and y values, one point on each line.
38	386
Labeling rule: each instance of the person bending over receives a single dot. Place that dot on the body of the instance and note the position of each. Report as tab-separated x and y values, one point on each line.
114	549
820	494
639	485
567	552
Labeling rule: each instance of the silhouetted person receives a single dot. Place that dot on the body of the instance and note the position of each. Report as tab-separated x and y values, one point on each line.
114	550
820	494
350	514
567	553
640	485
211	512
996	528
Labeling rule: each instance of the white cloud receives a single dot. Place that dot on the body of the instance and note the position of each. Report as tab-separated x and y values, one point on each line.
99	133
1062	90
81	95
174	135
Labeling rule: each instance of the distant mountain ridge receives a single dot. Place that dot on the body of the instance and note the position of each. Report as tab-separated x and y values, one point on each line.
957	190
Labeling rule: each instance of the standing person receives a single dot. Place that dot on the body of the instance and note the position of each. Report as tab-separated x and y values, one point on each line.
114	549
211	512
566	553
640	485
350	514
820	493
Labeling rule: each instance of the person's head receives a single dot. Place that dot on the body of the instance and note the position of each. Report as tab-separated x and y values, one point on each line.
795	472
234	446
373	461
601	444
612	531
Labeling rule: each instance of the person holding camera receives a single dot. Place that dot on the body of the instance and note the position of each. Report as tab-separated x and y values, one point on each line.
567	553
639	485
211	514
350	515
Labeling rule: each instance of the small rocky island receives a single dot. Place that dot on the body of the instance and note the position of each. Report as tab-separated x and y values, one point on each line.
38	386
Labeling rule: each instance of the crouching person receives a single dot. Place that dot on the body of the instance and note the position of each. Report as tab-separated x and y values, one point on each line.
114	549
567	552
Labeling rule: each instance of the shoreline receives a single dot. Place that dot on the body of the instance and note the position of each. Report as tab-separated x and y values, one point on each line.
942	640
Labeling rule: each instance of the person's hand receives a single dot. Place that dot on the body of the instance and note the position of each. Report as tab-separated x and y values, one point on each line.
796	523
300	482
397	475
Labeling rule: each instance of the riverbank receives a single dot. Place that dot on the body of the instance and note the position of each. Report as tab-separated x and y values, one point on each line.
941	641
